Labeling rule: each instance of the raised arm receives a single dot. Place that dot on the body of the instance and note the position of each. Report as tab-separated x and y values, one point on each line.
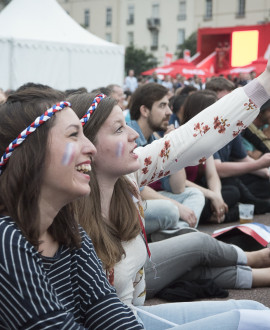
205	133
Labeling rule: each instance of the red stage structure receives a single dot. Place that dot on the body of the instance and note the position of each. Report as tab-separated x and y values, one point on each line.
224	48
223	51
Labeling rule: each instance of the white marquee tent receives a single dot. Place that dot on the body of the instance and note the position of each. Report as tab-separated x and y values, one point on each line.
41	43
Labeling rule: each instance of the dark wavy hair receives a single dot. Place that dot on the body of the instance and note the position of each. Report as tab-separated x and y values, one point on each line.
145	95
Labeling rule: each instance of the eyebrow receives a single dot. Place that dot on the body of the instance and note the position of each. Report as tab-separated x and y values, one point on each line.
73	126
119	121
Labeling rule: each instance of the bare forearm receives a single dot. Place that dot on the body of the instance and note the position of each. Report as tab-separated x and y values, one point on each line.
178	181
205	191
227	169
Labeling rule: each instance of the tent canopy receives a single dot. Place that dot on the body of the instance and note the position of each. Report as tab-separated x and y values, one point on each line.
40	42
258	66
180	66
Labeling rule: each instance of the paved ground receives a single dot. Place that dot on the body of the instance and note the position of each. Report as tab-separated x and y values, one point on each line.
259	294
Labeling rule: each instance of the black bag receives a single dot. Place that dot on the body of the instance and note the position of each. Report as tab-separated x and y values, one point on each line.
191	290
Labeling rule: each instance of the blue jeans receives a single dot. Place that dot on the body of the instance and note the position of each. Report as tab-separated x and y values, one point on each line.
200	315
192	198
160	214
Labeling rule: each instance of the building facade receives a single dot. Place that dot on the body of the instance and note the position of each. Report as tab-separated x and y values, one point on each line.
161	26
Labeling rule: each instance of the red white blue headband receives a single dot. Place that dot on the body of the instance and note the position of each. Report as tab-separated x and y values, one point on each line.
92	108
30	129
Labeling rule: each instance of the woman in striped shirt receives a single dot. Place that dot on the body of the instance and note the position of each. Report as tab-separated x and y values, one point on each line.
50	275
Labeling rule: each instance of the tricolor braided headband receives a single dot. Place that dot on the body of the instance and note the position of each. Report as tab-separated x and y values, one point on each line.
92	108
30	129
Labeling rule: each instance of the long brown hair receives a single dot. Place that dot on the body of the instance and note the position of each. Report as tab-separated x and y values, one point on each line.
123	224
22	178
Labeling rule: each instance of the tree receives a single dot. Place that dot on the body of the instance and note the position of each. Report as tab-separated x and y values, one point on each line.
139	60
190	43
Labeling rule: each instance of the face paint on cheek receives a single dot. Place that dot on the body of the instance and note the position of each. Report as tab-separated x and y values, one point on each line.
68	154
119	149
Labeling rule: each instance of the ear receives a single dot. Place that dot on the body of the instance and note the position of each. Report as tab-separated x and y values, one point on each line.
144	111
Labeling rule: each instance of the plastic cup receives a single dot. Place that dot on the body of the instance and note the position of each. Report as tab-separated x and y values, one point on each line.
246	213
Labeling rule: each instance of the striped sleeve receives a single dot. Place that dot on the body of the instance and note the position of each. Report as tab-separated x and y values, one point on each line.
27	300
102	307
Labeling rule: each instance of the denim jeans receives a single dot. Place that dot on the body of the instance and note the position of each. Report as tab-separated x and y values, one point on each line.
196	256
160	214
210	315
192	198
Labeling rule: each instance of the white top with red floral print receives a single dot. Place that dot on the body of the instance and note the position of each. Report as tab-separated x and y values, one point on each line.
187	145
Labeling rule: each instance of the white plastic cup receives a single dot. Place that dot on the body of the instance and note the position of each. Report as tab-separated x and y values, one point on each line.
246	213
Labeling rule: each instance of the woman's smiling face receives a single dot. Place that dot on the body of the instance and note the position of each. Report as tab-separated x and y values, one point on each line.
67	179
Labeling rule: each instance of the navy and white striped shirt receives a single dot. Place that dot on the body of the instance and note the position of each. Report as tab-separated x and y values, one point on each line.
68	291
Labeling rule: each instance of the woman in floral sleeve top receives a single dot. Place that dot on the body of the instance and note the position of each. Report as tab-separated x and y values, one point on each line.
112	218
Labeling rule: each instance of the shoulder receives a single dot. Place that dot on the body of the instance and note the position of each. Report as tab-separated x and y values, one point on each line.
11	234
141	141
87	244
87	251
14	244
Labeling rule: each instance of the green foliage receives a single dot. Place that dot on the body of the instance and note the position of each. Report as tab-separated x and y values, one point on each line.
190	43
139	60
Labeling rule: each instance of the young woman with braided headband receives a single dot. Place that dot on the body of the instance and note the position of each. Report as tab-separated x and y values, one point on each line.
50	274
114	217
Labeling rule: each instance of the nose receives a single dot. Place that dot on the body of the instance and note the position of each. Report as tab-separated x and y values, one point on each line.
168	110
88	147
132	134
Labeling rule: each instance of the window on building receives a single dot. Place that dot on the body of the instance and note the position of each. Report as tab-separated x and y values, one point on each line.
130	19
241	8
208	9
108	16
155	10
130	38
182	11
154	36
180	37
86	18
108	37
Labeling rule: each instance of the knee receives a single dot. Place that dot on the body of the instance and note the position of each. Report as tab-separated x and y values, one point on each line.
195	192
235	193
172	214
200	241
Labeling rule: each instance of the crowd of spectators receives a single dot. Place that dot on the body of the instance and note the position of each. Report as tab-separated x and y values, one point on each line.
151	166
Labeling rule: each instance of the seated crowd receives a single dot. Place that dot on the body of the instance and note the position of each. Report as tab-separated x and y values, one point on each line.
101	193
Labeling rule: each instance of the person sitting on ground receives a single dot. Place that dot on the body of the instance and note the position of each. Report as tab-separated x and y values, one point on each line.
233	164
256	137
113	218
221	202
51	276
